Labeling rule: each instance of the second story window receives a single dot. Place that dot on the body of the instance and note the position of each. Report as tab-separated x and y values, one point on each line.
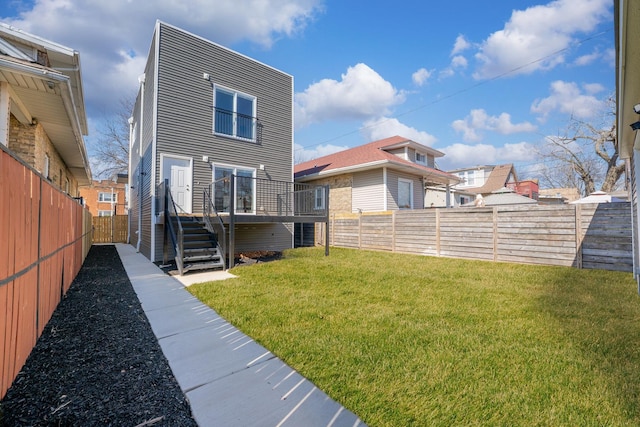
234	114
421	158
107	197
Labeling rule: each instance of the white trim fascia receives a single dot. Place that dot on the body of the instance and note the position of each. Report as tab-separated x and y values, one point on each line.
154	142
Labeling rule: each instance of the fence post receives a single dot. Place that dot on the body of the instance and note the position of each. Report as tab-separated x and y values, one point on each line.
438	232
495	233
579	237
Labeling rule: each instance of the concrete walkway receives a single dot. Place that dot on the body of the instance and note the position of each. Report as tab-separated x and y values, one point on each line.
228	378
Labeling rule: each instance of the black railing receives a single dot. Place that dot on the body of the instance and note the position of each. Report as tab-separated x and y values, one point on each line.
174	230
236	124
213	223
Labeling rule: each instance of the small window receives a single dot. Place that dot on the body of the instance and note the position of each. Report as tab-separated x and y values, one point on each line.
107	197
319	197
405	193
421	158
234	114
105	213
45	169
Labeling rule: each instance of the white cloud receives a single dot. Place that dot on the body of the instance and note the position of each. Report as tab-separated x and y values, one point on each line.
587	59
478	120
384	127
102	30
421	76
568	98
459	61
537	32
460	45
360	94
463	155
303	154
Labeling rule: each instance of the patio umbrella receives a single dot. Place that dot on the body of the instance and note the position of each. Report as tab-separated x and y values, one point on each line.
598	197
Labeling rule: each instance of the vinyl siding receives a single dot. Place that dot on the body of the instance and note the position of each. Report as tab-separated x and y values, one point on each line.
263	237
183	122
185	109
368	191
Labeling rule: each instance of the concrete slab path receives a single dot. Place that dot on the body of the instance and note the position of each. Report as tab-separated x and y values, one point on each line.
228	378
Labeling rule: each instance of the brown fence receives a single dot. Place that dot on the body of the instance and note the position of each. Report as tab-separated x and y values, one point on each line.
110	229
583	236
44	237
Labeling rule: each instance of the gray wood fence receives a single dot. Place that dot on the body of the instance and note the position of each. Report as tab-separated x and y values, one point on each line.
584	236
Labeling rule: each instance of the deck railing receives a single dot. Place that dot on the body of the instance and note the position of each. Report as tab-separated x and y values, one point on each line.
174	230
213	223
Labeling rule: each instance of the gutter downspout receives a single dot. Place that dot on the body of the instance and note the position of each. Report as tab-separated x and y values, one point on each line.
129	176
141	80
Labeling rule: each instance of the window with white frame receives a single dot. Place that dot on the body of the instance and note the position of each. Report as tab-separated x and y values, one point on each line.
421	158
245	188
45	169
234	114
105	213
319	194
107	197
405	193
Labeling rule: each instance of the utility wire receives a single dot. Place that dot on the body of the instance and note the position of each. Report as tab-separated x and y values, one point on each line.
461	91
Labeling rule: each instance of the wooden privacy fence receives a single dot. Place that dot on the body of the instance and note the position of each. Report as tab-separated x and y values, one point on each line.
44	238
110	229
583	236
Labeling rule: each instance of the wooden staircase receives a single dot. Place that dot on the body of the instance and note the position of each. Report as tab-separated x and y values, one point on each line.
200	247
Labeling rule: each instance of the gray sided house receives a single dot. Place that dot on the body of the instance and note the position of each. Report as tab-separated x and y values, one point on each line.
384	175
218	127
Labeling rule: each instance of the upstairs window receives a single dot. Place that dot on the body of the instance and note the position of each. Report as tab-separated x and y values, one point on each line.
234	114
107	197
421	158
318	199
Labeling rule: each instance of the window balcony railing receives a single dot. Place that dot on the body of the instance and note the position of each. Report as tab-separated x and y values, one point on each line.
236	125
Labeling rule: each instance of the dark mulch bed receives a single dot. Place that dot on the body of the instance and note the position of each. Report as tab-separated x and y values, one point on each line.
98	361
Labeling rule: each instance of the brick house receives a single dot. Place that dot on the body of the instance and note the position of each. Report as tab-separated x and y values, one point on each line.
42	113
105	198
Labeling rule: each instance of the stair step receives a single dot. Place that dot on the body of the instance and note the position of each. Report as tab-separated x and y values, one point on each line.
200	258
202	266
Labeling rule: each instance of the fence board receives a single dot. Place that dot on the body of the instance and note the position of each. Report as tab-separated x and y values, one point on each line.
591	236
42	246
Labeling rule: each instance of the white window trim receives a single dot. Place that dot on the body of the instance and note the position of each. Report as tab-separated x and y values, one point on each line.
235	172
410	182
105	212
113	197
47	164
235	94
319	206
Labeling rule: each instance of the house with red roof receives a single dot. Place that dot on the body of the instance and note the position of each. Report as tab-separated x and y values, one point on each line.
383	175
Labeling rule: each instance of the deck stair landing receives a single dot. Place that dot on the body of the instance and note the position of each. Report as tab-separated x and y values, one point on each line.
201	251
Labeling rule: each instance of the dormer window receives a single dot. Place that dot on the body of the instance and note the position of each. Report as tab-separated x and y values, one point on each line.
421	158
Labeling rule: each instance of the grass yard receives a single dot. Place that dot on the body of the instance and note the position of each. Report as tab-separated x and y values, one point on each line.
408	340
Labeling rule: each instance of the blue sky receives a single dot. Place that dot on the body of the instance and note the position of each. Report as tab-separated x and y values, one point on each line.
483	84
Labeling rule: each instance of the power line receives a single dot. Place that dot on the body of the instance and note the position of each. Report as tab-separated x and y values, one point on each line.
461	91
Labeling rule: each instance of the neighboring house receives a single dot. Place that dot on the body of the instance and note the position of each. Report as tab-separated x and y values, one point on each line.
105	198
42	113
485	179
206	114
501	197
557	196
383	175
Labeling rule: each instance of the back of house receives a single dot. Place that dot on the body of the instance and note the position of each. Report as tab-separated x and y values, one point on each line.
204	113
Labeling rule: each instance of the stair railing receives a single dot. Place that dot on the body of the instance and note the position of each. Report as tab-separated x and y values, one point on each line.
213	223
176	236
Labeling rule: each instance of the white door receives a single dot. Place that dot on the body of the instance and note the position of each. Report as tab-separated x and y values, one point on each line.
178	172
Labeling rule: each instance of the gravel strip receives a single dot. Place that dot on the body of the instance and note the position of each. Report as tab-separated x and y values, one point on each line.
98	361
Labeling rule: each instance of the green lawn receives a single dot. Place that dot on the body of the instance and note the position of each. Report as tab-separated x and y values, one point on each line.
408	340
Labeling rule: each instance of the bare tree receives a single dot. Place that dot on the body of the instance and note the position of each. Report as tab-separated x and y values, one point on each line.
585	156
111	149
